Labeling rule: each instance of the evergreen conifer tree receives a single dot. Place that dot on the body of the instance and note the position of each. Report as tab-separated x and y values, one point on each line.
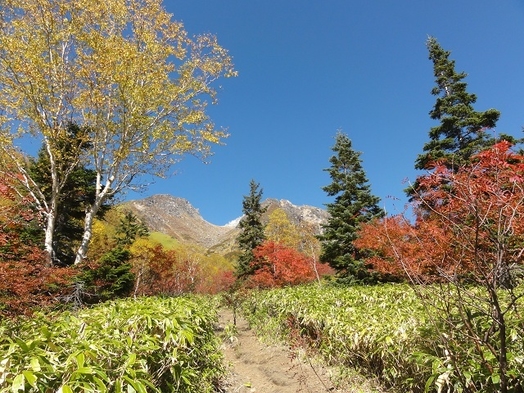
252	230
353	205
462	130
129	229
77	192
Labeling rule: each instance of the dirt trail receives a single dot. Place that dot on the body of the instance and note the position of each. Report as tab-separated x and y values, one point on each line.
257	367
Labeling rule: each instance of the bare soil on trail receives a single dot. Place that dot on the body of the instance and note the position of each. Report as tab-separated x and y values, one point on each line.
256	367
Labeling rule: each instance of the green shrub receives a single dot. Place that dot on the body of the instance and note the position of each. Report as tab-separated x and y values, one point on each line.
109	278
391	333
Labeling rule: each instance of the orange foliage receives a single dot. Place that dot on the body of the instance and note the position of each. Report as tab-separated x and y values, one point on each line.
25	287
165	273
172	272
483	213
471	227
402	250
277	265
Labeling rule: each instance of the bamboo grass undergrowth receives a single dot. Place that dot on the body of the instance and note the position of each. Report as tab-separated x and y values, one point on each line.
143	345
388	332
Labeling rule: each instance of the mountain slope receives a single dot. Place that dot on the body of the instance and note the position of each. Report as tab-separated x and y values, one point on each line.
296	214
177	218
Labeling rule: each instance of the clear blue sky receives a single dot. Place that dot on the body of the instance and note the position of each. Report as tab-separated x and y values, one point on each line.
309	68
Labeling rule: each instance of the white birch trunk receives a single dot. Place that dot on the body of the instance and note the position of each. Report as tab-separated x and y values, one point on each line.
52	207
314	261
81	253
49	232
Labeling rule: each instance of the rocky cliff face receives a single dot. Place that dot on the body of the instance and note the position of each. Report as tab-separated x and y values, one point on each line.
177	218
297	214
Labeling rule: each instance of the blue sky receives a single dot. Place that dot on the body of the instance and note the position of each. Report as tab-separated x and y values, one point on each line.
310	68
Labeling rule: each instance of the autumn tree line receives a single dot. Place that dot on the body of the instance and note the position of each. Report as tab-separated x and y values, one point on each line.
112	91
108	92
115	90
460	244
125	94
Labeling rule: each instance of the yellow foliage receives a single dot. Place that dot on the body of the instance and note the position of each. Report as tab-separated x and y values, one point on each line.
281	230
141	251
102	239
124	69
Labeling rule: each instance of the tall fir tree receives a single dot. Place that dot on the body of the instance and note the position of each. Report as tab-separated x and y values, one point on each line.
251	230
353	205
462	130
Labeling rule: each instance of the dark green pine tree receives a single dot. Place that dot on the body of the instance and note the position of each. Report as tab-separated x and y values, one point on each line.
129	229
353	205
77	194
462	130
251	230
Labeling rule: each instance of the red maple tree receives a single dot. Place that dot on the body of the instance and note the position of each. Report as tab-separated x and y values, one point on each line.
26	279
469	235
469	223
277	265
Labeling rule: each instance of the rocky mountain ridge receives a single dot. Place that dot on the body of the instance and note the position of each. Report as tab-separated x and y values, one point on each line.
177	218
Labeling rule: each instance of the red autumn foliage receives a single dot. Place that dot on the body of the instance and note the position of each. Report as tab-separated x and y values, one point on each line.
483	214
402	250
277	265
26	287
27	282
16	216
472	227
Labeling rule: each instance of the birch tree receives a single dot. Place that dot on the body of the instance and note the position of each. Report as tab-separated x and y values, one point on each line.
124	70
281	230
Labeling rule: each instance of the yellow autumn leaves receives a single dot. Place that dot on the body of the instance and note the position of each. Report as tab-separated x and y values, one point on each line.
123	69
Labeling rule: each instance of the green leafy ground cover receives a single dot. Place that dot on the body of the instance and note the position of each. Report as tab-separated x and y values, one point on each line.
143	345
409	343
169	344
374	329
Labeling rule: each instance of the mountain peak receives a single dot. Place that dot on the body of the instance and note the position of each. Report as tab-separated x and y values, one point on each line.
171	205
177	218
297	214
